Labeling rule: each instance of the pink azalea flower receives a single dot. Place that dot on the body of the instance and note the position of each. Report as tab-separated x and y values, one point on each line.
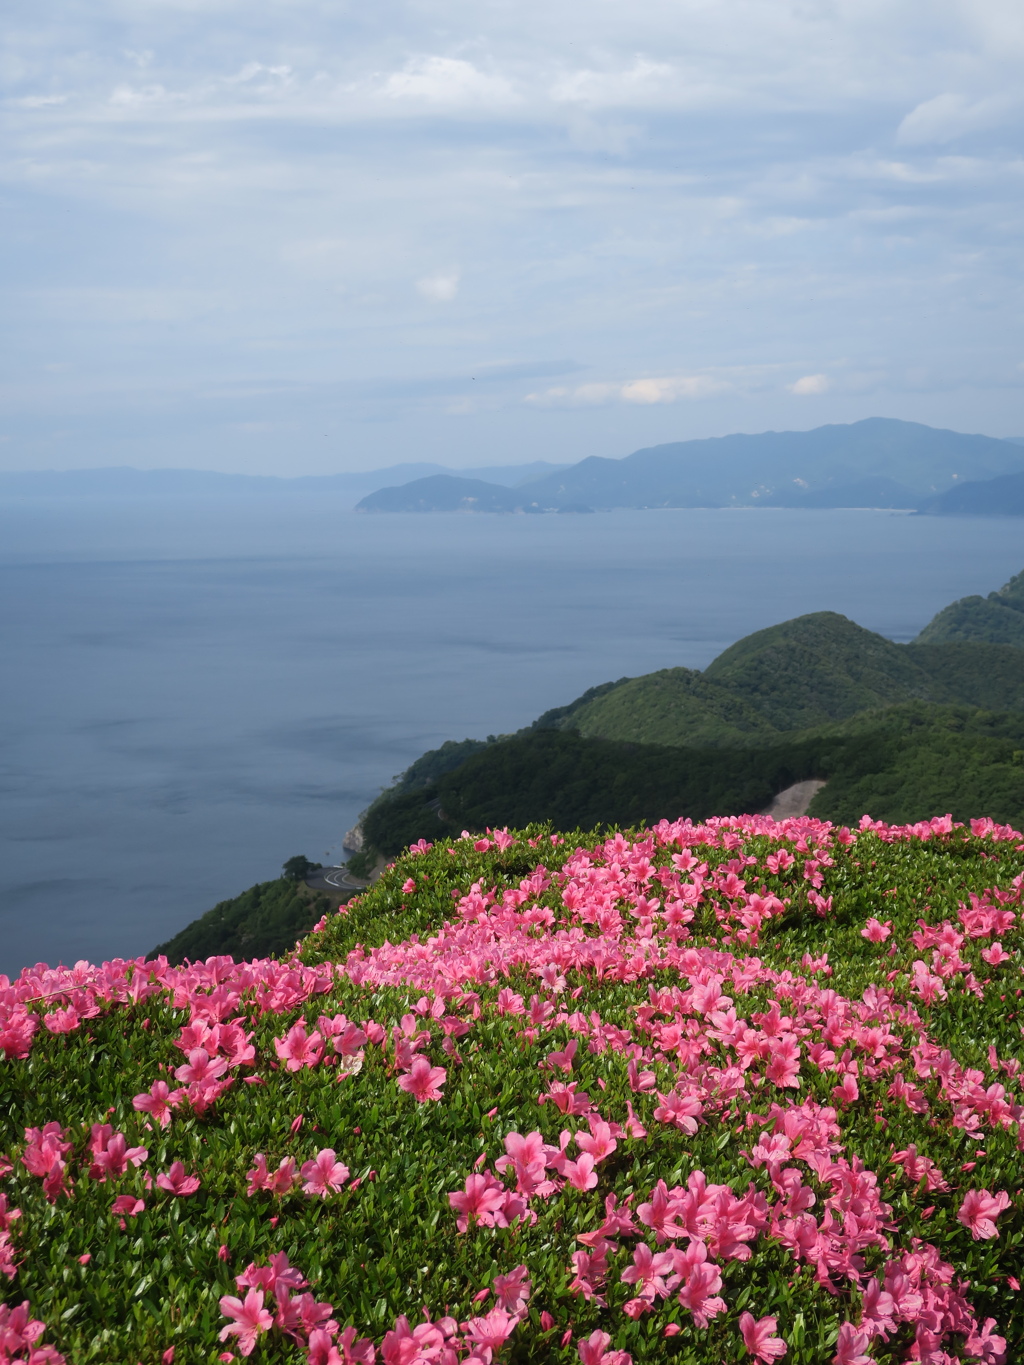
201	1067
784	1067
492	1330
979	1211
594	1351
19	1334
875	931
986	1344
178	1183
423	1081
481	1199
62	1021
298	1049
127	1203
700	1293
851	1348
323	1175
251	1319
759	1338
406	1345
600	1142
281	1181
580	1174
350	1349
513	1290
112	1155
158	1101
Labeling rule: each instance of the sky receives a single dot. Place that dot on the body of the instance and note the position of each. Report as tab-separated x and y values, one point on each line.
307	236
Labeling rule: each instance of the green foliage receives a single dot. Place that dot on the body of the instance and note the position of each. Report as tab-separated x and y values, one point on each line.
920	761
997	619
673	706
902	764
266	919
802	673
297	869
429	766
564	717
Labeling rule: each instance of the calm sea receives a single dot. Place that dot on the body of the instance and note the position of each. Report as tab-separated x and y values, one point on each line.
193	692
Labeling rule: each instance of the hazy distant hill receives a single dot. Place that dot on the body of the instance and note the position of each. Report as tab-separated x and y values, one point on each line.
999	497
997	618
446	493
124	481
877	462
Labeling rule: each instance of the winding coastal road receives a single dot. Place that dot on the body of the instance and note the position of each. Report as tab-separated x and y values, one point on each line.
335	879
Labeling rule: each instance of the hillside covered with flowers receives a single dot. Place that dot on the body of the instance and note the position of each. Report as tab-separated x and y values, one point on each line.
739	1091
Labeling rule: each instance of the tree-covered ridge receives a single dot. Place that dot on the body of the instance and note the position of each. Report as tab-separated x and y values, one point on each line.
739	1091
268	918
997	618
807	672
901	763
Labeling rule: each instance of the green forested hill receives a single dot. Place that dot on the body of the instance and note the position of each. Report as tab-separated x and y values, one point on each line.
268	918
802	673
997	618
902	763
672	706
916	761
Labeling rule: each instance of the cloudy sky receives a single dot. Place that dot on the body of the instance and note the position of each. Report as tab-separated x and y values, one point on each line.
299	236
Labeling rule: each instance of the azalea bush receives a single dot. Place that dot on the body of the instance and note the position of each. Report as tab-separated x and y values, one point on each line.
738	1091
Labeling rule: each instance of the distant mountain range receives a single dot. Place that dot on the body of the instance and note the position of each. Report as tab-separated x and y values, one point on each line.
124	481
878	462
999	497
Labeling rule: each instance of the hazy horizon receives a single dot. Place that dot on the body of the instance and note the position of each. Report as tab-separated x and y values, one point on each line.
398	464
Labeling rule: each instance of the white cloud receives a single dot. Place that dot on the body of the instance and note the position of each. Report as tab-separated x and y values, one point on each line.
641	83
440	287
810	384
132	96
643	392
949	116
253	69
39	101
447	80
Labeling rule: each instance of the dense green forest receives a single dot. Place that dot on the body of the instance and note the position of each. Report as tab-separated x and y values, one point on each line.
903	764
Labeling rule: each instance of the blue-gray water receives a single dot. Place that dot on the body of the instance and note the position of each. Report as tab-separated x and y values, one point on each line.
193	692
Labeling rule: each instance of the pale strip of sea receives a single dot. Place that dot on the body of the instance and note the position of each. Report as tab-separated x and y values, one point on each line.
194	691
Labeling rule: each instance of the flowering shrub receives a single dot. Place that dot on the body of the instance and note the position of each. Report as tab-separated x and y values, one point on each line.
741	1091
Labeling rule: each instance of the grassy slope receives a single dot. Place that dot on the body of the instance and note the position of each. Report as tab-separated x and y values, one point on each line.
391	1247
